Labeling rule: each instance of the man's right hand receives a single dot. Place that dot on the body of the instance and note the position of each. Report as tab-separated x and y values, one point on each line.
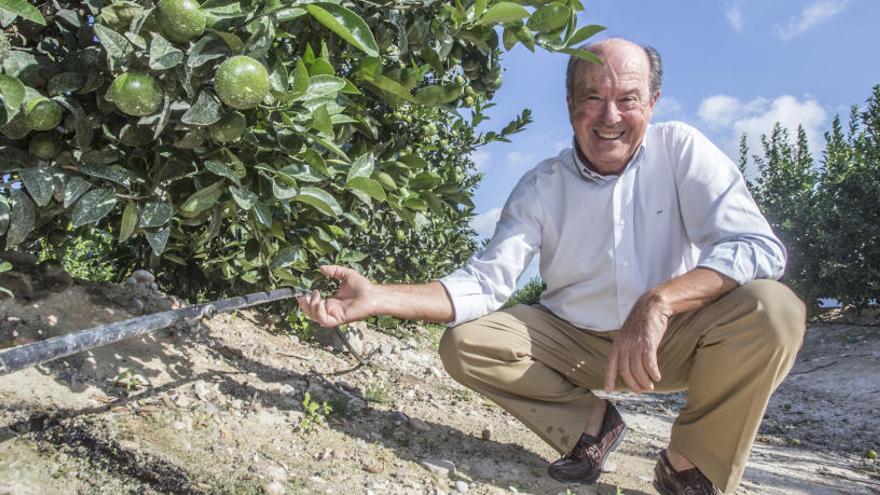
353	301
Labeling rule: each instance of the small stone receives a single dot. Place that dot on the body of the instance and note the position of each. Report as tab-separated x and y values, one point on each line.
276	473
609	467
386	349
202	390
440	467
274	488
419	424
52	319
317	479
288	389
486	434
461	487
435	371
143	277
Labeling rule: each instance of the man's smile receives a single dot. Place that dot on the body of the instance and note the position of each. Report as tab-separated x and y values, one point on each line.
609	135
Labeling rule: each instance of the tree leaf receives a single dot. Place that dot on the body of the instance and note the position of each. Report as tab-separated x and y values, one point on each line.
158	239
75	188
221	169
345	23
414	162
23	218
503	12
362	167
82	124
290	256
583	33
322	85
549	17
321	200
202	199
39	183
282	192
425	180
583	55
128	222
368	186
116	45
206	49
13	94
263	213
156	214
321	120
4	215
242	197
205	111
23	9
93	206
164	55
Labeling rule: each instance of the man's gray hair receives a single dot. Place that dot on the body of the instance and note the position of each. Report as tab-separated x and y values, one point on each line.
655	68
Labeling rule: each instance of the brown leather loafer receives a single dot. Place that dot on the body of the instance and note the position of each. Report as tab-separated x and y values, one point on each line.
668	481
584	463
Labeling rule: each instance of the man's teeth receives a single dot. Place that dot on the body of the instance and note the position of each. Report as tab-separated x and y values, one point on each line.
609	135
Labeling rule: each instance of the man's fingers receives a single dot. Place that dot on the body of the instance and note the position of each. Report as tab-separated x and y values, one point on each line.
651	365
611	371
335	271
637	366
624	367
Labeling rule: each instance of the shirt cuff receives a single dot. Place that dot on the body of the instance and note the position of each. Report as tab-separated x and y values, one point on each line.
741	261
468	300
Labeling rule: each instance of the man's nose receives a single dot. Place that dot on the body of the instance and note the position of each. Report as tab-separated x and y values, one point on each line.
610	113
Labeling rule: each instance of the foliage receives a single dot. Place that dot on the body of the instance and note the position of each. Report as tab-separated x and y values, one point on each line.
314	414
378	393
527	294
87	257
358	154
827	215
5	266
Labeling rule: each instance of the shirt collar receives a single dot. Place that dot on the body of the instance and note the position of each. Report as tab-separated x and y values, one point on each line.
587	173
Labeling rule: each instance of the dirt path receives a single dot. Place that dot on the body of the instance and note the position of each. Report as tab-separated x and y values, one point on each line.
220	408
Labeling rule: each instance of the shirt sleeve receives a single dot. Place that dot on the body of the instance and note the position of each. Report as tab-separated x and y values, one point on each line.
489	277
720	215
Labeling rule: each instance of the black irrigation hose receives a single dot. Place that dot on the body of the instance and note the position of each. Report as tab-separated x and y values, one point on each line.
61	346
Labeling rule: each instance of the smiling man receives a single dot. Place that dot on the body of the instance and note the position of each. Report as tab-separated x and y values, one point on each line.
660	274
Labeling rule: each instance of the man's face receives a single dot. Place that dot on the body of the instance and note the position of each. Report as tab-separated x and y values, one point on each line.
610	106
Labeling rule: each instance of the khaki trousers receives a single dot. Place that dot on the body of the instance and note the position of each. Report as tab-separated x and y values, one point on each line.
730	355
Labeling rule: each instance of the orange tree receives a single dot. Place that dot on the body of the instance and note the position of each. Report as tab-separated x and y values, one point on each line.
238	144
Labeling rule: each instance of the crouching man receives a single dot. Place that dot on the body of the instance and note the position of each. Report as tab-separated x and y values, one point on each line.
660	274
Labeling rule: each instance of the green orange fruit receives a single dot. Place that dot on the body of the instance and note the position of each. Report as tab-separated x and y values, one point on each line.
229	128
241	82
136	94
180	20
42	114
16	128
44	146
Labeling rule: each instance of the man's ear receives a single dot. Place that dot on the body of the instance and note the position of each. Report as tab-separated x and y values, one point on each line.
654	99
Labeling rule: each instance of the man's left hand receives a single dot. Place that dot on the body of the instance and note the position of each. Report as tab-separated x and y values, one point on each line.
634	353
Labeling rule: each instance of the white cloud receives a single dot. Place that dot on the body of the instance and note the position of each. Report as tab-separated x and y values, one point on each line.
482	159
667	108
720	111
484	223
811	15
517	158
735	16
733	118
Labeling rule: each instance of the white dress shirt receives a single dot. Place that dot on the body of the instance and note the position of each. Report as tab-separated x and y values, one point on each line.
605	240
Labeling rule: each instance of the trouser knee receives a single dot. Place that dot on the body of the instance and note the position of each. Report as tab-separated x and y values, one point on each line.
450	352
779	315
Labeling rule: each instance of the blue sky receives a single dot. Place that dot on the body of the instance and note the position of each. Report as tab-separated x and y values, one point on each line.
730	67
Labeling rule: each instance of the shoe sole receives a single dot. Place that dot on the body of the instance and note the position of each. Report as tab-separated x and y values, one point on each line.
594	479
